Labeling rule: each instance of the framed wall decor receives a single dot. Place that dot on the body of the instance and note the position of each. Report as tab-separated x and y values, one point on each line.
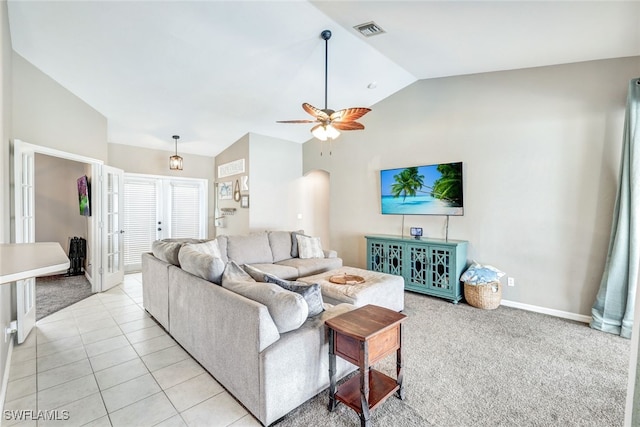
231	168
225	190
244	201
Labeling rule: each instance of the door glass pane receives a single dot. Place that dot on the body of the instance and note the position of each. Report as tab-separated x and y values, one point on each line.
113	263
115	225
113	205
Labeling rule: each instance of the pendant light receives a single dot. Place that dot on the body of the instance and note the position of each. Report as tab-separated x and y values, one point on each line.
175	161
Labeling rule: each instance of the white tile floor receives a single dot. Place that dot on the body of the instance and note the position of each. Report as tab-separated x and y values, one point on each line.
104	362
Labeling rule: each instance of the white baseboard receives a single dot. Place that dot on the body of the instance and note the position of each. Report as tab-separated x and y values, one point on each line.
550	311
5	376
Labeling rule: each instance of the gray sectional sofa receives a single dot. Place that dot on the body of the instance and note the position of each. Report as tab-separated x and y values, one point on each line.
236	330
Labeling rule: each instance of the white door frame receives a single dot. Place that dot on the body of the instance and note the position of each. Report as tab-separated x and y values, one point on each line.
20	148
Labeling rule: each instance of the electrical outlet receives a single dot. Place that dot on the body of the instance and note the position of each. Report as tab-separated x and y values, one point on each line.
511	281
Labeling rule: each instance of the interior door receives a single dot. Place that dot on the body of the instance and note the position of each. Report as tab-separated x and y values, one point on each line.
25	233
112	268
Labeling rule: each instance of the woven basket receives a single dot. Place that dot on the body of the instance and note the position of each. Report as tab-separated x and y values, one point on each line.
485	295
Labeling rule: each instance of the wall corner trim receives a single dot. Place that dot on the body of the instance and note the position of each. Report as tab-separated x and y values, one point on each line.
550	311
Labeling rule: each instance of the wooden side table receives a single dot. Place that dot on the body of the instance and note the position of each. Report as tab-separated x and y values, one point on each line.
363	337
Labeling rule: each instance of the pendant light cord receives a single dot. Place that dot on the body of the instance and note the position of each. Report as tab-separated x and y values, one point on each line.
175	137
326	35
326	72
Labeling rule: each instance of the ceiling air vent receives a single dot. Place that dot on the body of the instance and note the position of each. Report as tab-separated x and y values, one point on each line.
369	29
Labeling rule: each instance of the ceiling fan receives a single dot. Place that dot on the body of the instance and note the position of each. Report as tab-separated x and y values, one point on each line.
330	122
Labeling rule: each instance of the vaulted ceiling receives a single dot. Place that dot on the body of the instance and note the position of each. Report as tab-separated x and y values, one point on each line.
211	71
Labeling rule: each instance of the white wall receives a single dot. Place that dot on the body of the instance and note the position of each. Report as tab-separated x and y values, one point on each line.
315	201
275	179
541	149
47	114
7	307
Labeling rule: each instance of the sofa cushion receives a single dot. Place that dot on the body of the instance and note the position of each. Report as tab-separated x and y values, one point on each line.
280	242
282	271
307	267
202	260
167	249
310	292
249	249
309	247
287	309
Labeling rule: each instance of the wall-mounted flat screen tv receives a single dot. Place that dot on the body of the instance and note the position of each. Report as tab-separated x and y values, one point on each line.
84	196
422	190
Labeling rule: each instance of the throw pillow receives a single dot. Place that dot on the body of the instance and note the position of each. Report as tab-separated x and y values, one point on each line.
255	273
202	260
234	273
287	309
294	242
310	292
166	251
309	247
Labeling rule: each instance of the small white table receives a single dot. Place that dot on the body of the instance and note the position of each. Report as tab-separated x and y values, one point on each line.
20	261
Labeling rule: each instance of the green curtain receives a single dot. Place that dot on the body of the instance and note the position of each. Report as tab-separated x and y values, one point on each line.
613	310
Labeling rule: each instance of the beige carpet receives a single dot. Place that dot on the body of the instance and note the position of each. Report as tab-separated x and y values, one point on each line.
54	293
504	367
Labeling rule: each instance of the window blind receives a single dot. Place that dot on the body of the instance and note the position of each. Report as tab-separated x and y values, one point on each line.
140	219
186	205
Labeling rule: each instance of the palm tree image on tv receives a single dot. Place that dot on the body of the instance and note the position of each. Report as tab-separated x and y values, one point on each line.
408	183
449	186
423	190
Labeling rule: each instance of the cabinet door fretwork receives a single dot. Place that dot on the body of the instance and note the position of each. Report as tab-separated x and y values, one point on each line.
429	266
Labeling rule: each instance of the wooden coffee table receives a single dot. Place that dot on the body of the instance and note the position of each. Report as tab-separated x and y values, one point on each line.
363	337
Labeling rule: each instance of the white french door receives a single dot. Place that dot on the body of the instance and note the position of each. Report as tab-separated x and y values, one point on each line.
25	233
159	207
112	227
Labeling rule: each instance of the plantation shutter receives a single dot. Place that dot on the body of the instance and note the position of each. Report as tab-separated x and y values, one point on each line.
186	210
140	219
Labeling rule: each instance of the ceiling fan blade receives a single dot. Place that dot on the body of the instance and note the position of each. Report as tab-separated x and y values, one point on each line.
349	114
315	112
347	125
296	121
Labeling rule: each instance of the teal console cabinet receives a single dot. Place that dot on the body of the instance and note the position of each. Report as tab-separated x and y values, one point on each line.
428	266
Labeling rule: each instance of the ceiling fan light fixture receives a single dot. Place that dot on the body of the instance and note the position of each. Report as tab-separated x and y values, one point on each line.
324	132
175	161
329	122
